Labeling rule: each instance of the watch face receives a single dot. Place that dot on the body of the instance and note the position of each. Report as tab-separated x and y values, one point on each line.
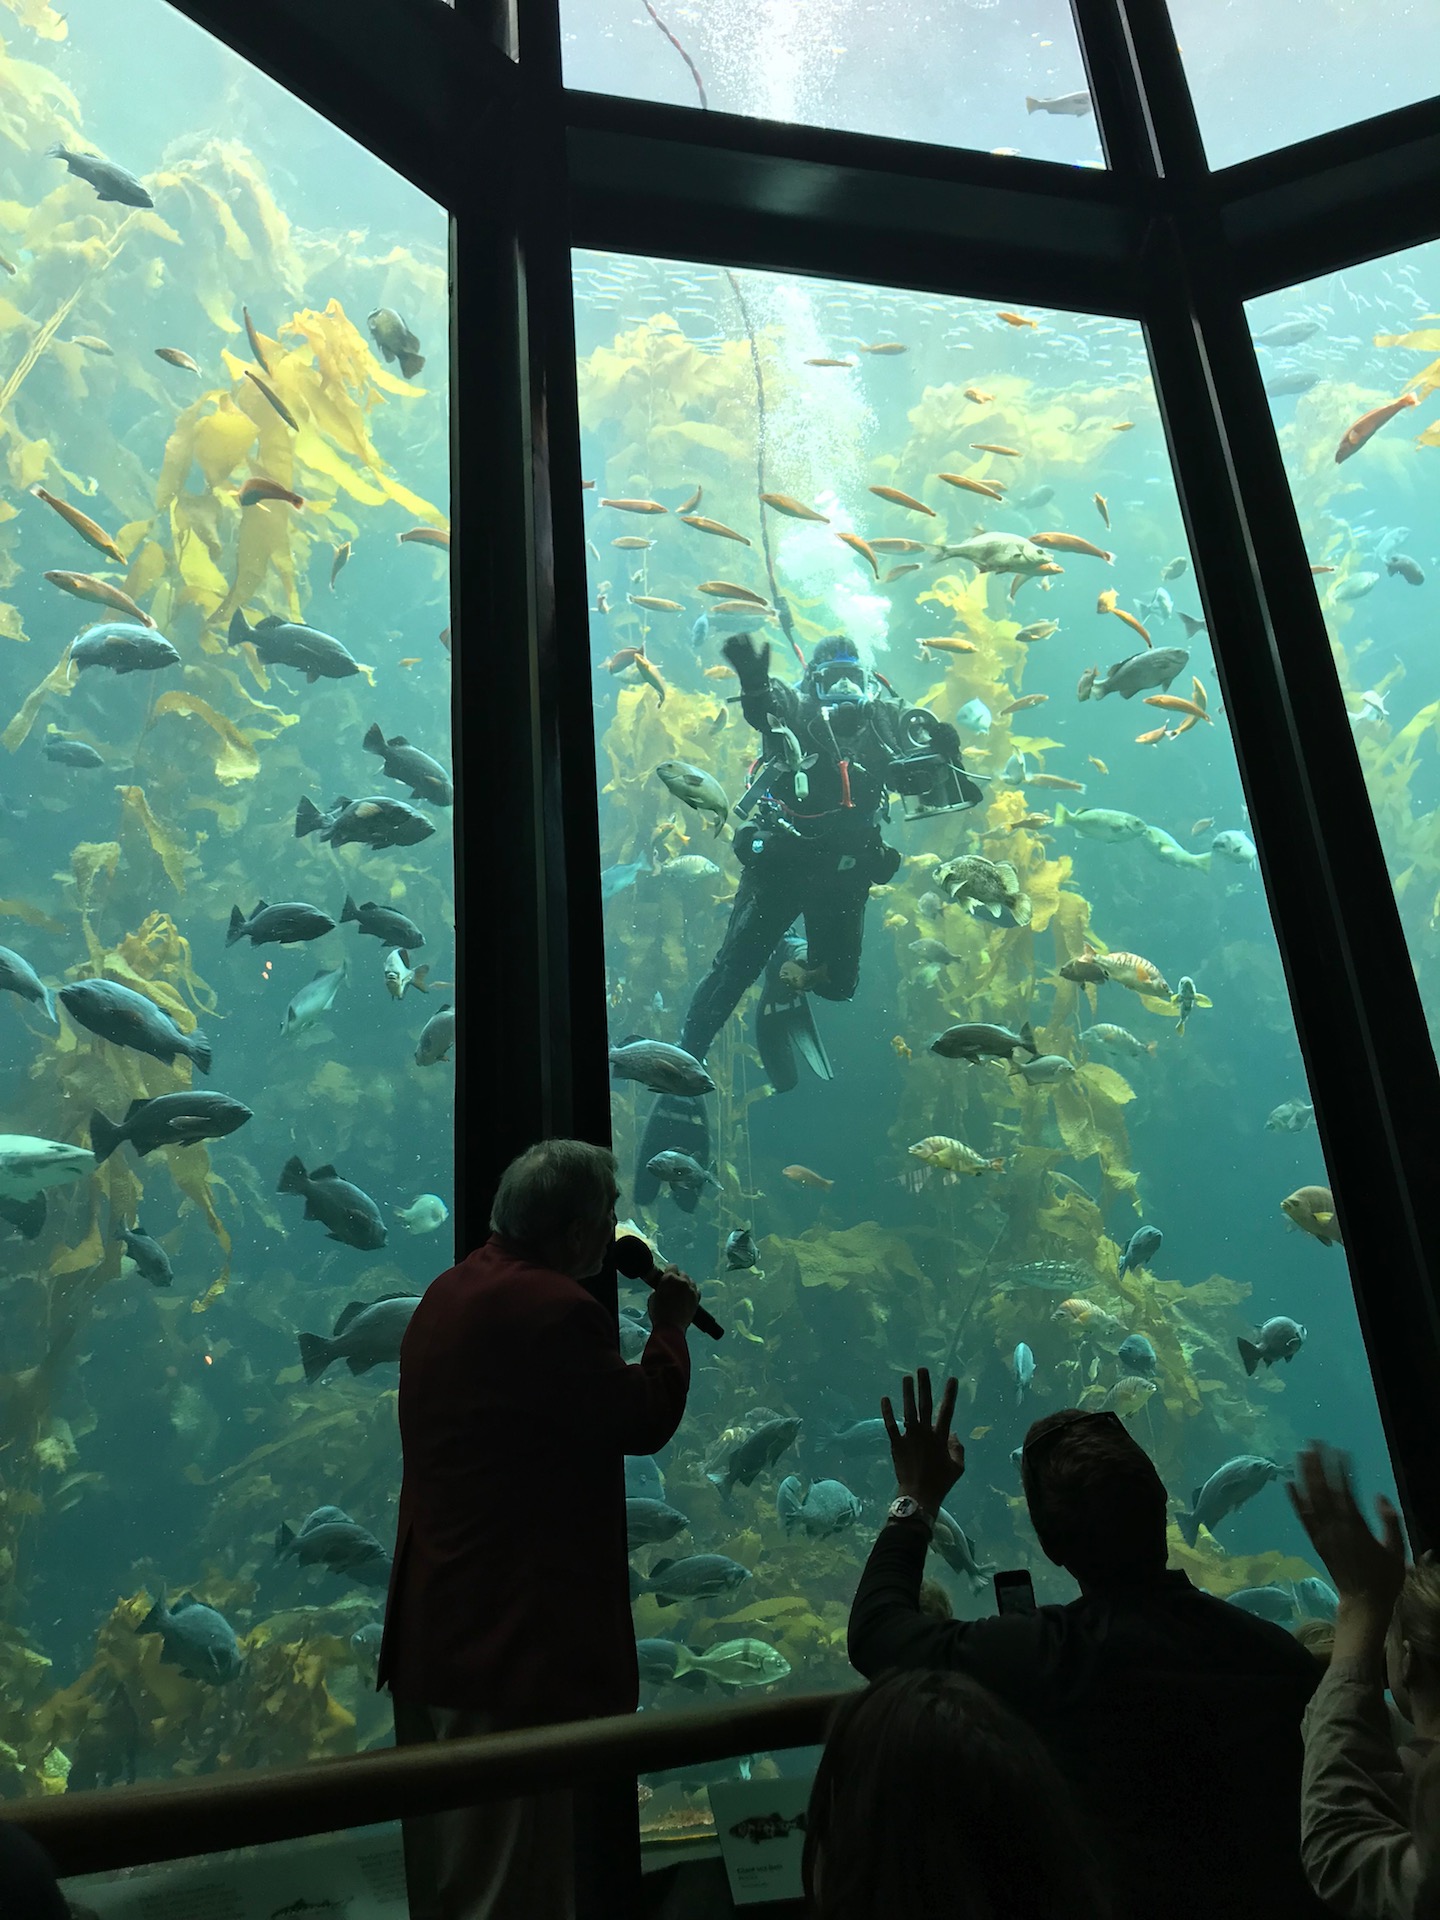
902	1508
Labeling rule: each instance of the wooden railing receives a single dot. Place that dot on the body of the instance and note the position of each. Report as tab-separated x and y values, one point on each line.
130	1826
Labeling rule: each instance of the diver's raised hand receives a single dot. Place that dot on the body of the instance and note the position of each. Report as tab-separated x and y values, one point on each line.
750	658
928	1458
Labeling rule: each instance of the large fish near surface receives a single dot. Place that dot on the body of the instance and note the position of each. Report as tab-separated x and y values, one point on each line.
382	923
1002	553
426	778
169	1120
197	1639
282	925
373	822
17	976
974	1039
286	643
1227	1490
748	1454
659	1066
109	181
1156	667
128	1019
346	1212
367	1334
28	1166
329	1538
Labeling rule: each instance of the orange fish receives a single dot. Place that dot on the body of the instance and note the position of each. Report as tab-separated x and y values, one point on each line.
1102	508
692	503
1173	703
618	662
1198	693
885	346
712	526
759	611
1130	970
986	487
728	590
980	398
1054	781
793	509
653	603
823	362
87	529
632	542
1072	543
1131	621
635	506
258	488
412	660
1029	822
899	546
720	673
990	446
1121	426
1370	423
899	499
863	548
1025	700
1016	320
648	673
424	537
1099	765
1150	739
899	573
85	586
901	1047
950	643
1322	569
804	1177
585	485
1202	826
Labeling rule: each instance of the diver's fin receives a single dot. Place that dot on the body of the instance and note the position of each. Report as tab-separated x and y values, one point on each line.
784	1031
676	1124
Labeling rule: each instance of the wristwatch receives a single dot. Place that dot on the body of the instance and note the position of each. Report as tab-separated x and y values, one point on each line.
907	1509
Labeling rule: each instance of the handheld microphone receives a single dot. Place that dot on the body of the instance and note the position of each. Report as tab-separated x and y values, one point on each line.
634	1259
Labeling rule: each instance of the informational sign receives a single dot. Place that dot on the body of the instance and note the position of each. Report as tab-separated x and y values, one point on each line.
760	1825
338	1876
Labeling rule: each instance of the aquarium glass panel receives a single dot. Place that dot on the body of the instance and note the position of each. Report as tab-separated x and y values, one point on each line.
972	74
1008	1088
1352	365
223	598
1266	76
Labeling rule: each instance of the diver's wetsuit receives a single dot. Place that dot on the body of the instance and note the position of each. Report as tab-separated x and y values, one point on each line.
819	852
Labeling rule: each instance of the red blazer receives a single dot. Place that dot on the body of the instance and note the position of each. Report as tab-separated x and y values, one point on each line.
510	1590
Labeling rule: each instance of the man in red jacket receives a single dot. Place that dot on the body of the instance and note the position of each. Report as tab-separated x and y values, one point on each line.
509	1601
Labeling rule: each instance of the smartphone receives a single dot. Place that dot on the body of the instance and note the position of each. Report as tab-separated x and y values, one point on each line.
1014	1592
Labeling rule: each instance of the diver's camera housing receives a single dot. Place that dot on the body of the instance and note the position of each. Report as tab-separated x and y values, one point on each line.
929	785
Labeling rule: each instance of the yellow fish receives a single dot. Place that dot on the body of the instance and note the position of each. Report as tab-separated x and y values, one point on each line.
893	920
938	1150
900	1047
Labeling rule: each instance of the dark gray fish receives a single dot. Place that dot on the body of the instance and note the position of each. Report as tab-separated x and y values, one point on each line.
314	1000
1316	1598
383	923
345	1211
700	1576
1156	667
747	1457
128	1019
72	753
367	1334
1290	380
374	822
124	648
1278	1339
741	1252
828	1507
426	778
660	1067
197	1639
395	340
285	643
1137	1358
1141	1249
643	1478
26	1216
684	1176
1265	1603
169	1120
1408	569
862	1439
151	1260
17	976
280	925
657	1660
974	1039
1287	333
647	1522
330	1538
1227	1490
1076	104
109	181
437	1037
1028	502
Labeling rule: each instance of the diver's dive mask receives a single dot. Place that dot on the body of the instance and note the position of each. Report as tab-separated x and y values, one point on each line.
841	682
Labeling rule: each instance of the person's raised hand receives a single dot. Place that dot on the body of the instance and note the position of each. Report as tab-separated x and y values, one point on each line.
673	1299
1368	1571
928	1458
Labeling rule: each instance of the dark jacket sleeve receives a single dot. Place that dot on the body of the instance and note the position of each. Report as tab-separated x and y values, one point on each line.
768	702
887	1628
634	1409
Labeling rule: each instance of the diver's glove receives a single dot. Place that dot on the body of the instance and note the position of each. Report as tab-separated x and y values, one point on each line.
751	660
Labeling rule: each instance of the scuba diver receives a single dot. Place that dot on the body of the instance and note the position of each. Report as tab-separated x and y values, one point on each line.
807	835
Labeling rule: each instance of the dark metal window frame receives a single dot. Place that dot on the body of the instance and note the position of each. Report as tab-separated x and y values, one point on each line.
527	170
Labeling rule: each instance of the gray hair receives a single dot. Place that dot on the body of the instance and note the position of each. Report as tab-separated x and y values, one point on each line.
551	1187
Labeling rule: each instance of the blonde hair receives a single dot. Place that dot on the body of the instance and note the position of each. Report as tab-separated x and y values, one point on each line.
1416	1620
